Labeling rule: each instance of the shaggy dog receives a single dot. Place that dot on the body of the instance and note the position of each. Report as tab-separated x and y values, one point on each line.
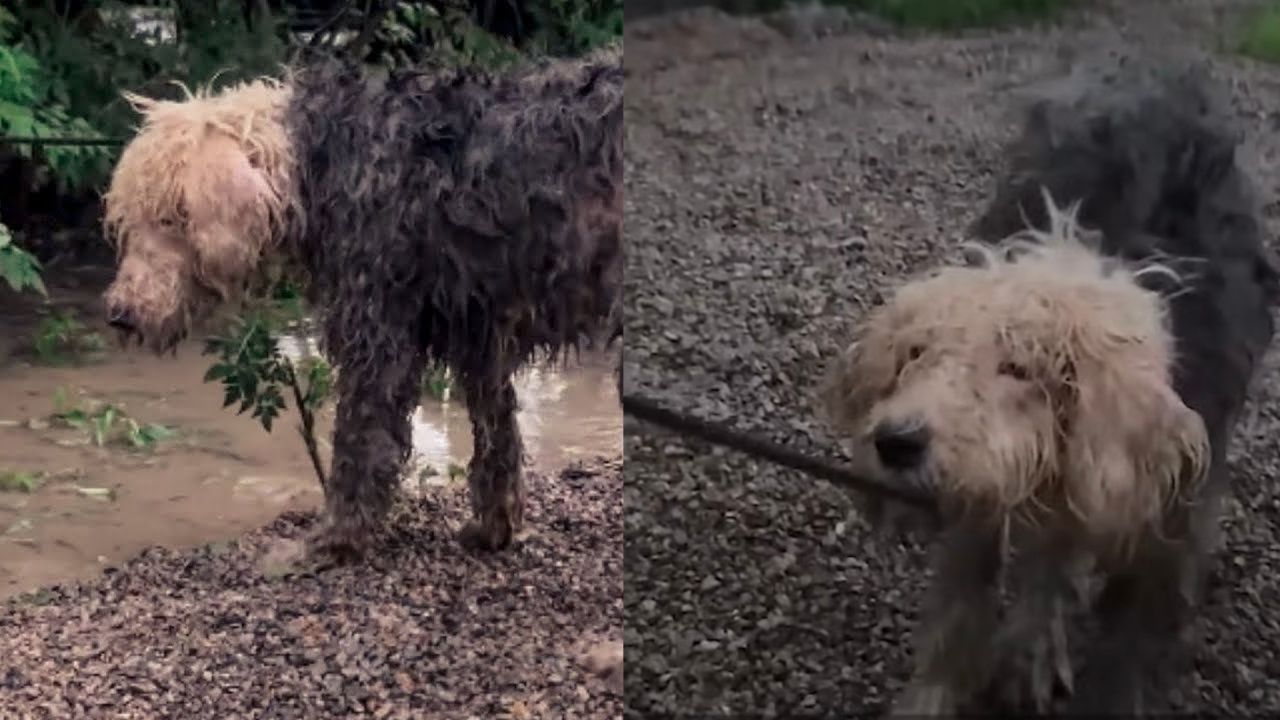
457	217
1069	395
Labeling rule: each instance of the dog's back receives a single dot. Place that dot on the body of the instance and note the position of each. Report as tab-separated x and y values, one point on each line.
1148	151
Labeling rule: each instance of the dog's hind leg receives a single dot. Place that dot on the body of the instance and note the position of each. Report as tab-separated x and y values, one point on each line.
953	643
495	473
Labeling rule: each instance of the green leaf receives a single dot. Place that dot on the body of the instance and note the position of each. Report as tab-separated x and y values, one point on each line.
24	482
219	371
159	432
76	418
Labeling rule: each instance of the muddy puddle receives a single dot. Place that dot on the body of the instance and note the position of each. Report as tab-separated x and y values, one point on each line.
71	503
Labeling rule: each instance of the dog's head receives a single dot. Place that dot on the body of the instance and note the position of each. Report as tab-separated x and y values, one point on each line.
194	201
1033	380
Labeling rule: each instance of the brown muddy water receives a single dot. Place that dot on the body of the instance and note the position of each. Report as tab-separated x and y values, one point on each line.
220	474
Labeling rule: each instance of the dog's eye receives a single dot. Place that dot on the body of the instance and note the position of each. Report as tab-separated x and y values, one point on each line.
1013	370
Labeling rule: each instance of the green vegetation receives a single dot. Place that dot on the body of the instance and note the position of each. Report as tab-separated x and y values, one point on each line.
107	423
437	383
256	373
61	338
925	14
23	482
1261	34
19	268
954	14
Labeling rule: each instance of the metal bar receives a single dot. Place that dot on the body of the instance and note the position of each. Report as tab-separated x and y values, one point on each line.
649	411
66	141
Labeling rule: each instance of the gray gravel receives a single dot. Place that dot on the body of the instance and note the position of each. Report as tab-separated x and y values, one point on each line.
776	187
420	629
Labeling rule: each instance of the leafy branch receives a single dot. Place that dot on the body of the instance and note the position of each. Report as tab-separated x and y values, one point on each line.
19	268
253	371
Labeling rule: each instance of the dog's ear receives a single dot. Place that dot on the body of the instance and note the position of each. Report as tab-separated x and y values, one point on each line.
230	207
1132	447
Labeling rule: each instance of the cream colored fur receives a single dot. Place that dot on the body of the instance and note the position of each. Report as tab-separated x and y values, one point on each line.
1044	376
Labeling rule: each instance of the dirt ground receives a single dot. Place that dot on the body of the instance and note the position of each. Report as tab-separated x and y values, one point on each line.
777	183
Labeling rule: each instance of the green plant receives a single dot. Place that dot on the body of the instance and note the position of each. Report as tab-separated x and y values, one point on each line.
955	14
573	27
441	34
107	423
33	104
1261	35
61	337
24	482
19	268
253	371
437	383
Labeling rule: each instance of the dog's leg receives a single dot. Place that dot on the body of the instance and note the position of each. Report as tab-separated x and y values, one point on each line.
1142	611
953	643
1032	649
372	440
1147	606
495	473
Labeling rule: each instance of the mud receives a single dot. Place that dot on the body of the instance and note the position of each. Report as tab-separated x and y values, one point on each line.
221	474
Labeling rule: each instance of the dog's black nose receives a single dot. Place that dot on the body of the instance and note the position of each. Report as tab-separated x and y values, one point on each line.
901	445
121	318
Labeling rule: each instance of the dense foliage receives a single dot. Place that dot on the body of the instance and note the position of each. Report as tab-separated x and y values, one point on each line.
64	63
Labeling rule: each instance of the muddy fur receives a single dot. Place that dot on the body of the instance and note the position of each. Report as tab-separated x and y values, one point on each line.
1143	145
463	217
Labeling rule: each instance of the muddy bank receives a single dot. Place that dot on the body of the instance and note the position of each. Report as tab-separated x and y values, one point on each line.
219	474
421	630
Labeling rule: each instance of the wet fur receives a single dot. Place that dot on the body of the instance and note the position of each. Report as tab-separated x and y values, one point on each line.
1144	146
464	217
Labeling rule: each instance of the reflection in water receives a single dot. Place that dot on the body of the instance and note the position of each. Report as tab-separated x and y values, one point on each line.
566	413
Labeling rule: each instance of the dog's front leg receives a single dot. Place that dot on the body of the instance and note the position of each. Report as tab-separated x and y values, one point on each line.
1143	610
959	614
495	473
372	440
1031	647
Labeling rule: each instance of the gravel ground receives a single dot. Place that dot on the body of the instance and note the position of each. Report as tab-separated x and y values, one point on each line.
423	630
776	187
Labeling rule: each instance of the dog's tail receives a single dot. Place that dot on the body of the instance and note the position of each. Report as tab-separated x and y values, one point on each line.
1147	149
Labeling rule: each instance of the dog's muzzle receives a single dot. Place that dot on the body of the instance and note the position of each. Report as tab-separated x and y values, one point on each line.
902	444
122	318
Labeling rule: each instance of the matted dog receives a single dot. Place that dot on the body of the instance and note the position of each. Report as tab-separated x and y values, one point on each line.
462	217
1069	394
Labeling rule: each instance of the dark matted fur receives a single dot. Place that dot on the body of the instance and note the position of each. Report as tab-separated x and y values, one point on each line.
470	218
1147	148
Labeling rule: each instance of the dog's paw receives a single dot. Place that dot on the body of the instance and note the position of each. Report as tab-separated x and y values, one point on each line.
333	544
1108	692
1034	665
490	535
